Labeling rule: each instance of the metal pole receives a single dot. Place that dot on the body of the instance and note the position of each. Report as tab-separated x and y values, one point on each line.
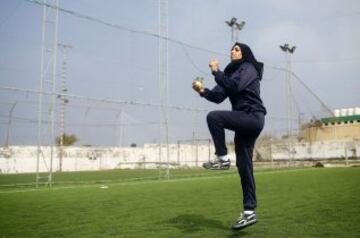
288	95
120	129
9	124
163	81
236	31
232	35
63	101
52	134
41	94
290	109
287	98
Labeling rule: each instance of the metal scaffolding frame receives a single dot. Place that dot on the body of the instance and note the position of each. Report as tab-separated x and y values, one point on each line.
49	41
163	84
63	100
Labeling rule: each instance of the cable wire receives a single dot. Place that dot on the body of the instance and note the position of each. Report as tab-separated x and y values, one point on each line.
123	28
192	62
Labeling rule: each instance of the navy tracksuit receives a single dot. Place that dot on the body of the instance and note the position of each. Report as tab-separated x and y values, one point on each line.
246	119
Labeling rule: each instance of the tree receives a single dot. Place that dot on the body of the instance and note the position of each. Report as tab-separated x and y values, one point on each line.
67	139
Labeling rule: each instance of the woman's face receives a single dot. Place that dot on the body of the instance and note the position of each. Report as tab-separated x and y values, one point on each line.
236	53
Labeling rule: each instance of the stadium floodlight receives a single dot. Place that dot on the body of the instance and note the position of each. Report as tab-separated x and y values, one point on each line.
236	27
290	108
233	23
286	48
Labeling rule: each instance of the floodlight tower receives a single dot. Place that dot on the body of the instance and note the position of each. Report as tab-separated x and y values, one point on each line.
46	139
289	109
163	82
236	27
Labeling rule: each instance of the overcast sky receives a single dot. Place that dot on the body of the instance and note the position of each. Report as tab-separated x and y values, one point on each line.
110	63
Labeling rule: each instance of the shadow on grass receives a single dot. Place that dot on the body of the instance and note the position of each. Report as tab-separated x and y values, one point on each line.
190	223
237	233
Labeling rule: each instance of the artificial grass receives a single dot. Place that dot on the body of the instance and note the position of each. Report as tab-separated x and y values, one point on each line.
291	203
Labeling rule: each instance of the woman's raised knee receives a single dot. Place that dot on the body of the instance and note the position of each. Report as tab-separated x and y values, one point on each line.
211	116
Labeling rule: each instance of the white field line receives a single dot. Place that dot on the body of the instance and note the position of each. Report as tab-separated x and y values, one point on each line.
185	179
113	184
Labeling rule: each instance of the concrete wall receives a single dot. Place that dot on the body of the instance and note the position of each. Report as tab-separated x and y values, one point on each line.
319	150
23	159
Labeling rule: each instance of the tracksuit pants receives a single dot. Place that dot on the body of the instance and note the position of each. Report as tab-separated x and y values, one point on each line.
247	127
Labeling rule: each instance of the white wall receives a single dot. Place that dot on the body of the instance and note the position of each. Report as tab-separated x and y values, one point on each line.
332	149
23	159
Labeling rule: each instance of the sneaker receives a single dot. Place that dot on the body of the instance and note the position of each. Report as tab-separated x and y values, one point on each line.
244	220
217	164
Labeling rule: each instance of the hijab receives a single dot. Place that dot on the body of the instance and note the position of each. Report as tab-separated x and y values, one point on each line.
247	56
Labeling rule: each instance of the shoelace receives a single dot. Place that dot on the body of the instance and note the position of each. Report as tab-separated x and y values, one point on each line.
241	219
214	161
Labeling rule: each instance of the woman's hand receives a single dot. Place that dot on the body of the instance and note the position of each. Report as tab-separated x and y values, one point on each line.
214	65
198	86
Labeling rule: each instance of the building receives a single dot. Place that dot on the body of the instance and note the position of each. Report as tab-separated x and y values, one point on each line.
344	125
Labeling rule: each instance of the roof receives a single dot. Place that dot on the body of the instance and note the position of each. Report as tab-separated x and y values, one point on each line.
340	119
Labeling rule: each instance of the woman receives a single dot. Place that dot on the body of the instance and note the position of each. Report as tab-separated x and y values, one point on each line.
240	81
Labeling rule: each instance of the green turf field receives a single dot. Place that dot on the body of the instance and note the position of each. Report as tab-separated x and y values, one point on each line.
195	203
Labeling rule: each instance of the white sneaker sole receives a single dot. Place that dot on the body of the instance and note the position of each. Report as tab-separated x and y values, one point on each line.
239	227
